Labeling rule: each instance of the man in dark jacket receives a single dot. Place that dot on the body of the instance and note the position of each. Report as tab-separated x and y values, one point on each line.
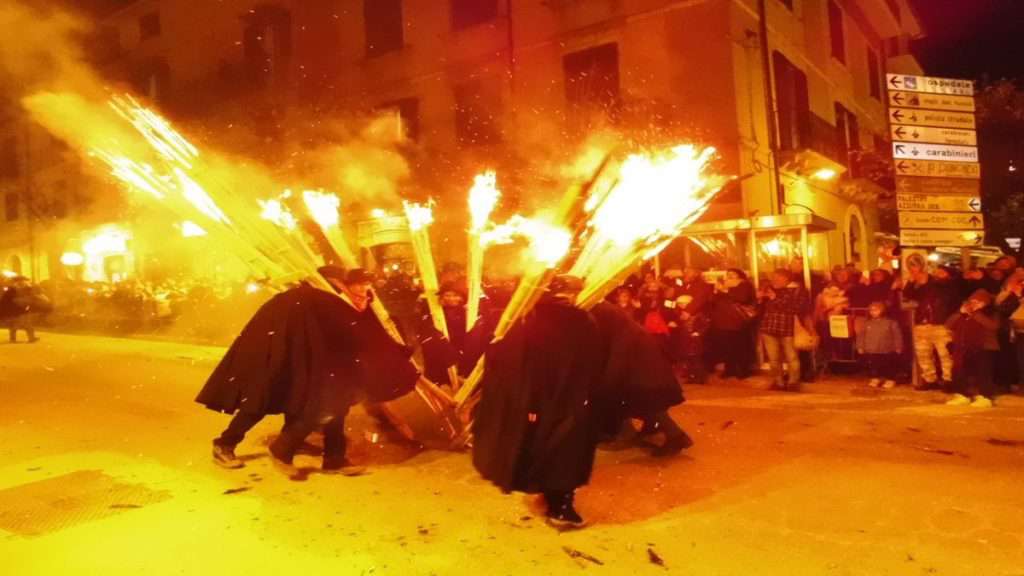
19	306
638	380
937	298
442	354
307	354
535	429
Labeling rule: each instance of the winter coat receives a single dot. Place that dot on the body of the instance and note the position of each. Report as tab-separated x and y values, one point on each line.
535	429
725	313
976	331
638	377
880	336
440	353
935	300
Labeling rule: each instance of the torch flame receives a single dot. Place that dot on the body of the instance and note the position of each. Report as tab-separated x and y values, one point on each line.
323	208
548	243
275	211
483	197
190	229
419	215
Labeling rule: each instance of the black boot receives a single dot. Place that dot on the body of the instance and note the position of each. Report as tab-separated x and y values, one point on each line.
224	456
561	513
673	445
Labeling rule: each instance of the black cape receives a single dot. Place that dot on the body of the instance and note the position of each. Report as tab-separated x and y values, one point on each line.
638	379
307	351
440	353
547	366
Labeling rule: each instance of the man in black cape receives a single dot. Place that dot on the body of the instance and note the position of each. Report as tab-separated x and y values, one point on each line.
310	355
534	429
638	380
441	354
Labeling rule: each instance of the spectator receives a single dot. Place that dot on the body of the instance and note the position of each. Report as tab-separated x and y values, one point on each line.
880	343
936	299
784	305
693	309
975	345
733	311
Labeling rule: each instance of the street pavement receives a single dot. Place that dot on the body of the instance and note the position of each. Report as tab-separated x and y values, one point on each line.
105	469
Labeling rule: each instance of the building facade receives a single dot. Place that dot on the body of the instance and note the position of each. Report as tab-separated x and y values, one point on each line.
506	83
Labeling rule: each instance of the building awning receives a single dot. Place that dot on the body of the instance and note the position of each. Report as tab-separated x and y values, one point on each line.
781	222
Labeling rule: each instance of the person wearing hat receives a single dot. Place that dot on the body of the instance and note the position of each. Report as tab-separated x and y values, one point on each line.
534	428
307	354
440	354
975	330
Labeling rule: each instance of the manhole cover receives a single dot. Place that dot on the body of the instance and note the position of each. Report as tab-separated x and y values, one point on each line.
53	504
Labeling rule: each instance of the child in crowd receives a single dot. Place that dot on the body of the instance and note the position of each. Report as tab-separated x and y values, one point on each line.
880	342
975	346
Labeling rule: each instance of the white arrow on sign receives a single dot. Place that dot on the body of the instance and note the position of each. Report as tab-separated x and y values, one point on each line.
943	152
930	84
931	135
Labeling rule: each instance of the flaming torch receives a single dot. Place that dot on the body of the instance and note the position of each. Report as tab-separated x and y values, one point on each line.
483	197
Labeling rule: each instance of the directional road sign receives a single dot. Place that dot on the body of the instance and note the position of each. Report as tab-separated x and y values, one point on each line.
941	152
938	169
953	136
932	101
930	84
947	186
942	220
929	203
936	118
941	237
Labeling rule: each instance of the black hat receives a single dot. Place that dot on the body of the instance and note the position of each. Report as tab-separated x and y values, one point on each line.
358	276
332	272
565	283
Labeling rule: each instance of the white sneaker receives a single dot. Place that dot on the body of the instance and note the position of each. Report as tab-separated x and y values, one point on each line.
874	382
981	402
889	384
958	400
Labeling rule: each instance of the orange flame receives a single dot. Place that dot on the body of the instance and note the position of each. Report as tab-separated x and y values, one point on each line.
483	197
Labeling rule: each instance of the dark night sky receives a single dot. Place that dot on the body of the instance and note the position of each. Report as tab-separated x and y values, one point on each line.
972	38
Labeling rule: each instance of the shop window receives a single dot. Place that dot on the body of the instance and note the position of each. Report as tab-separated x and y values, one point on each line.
476	111
467	13
835	26
794	116
383	25
149	26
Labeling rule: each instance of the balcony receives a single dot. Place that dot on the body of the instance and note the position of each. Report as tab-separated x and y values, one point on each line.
884	16
811	145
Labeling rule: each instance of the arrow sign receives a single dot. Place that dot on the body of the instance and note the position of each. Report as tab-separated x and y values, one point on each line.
938	186
952	136
930	84
932	101
940	152
934	118
938	169
942	220
930	203
941	238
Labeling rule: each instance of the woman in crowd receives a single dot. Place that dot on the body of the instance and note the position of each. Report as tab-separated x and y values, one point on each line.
733	310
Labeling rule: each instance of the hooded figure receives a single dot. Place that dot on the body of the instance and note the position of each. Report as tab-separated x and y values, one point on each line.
310	355
638	380
535	429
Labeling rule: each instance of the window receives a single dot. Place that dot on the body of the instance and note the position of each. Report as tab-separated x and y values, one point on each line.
149	26
592	77
11	206
787	3
266	42
848	128
9	166
835	26
874	75
408	112
467	13
475	112
894	7
383	25
791	97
